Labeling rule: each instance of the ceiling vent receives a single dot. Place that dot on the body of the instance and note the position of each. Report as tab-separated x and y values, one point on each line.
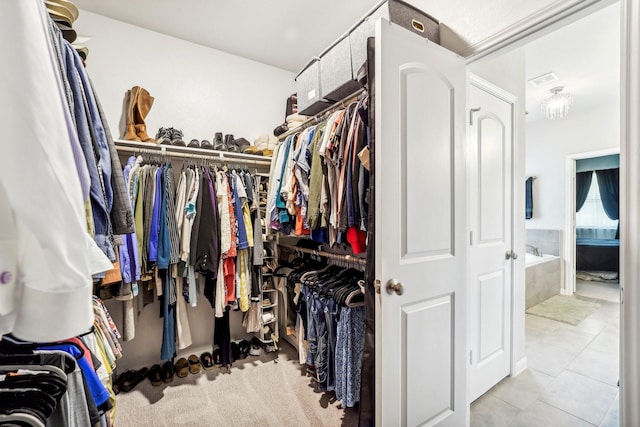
543	79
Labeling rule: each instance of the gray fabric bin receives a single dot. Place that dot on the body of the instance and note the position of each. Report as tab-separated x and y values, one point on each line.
308	85
398	12
337	80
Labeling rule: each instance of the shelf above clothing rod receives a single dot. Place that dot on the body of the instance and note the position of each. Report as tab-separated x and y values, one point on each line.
339	257
320	116
191	153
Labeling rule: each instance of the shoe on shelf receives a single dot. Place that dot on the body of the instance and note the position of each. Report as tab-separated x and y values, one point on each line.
135	379
176	137
194	364
194	143
266	302
207	361
164	136
131	100
168	371
182	367
228	143
218	142
154	375
242	144
206	144
144	102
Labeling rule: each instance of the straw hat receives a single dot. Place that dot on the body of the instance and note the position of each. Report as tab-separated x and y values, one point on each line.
64	8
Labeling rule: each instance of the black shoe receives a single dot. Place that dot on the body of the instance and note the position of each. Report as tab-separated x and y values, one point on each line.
194	143
125	376
135	379
206	144
168	371
154	375
243	349
218	143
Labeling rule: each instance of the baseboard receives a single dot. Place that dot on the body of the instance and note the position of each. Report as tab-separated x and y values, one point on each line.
521	365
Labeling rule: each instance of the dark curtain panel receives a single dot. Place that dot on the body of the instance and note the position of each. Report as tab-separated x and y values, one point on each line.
367	389
609	185
528	198
583	184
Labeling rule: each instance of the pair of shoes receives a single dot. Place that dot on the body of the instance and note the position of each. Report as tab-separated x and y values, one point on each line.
170	136
243	349
138	102
155	376
194	364
207	361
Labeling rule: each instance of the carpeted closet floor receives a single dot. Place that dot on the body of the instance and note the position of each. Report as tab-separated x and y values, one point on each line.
270	390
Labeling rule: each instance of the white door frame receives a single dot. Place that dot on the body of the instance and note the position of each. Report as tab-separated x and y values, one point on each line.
569	250
550	18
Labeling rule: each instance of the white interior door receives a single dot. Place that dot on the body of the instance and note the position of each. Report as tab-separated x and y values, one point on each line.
491	115
420	231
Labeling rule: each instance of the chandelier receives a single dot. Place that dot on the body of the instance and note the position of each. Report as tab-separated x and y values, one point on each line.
557	105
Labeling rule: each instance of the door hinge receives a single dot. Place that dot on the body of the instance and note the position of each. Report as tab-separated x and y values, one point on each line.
471	238
377	285
470	357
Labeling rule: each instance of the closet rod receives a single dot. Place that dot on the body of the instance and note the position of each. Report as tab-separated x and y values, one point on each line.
321	115
330	255
195	155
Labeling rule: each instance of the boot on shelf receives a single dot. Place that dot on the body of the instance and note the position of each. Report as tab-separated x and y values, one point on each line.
141	111
131	101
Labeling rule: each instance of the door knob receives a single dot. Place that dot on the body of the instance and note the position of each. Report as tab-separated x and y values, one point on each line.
394	286
514	255
510	255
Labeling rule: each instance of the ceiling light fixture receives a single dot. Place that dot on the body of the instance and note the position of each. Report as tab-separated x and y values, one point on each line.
557	105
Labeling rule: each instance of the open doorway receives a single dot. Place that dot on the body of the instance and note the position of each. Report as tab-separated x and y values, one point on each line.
571	350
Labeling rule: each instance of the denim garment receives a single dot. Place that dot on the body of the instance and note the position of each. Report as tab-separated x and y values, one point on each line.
155	220
95	122
164	249
168	349
98	201
321	359
349	348
331	320
243	241
78	155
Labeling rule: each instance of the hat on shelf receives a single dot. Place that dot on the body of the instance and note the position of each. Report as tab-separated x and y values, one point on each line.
68	33
259	144
271	145
295	120
65	7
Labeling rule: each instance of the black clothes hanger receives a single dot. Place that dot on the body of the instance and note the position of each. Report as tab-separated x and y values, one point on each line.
10	345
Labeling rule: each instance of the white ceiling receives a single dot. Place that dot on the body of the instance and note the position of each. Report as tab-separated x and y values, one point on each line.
286	34
282	33
585	56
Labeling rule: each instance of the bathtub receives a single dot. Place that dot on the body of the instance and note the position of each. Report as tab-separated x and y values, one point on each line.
543	278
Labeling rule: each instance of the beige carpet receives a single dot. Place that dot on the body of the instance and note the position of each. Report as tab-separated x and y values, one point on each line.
564	308
256	391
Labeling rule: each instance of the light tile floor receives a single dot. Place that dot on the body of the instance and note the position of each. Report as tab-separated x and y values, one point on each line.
572	373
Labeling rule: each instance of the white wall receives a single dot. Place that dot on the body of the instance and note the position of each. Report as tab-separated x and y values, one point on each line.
196	89
548	144
508	72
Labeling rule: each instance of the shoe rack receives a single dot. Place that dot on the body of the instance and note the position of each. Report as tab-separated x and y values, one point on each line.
269	331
